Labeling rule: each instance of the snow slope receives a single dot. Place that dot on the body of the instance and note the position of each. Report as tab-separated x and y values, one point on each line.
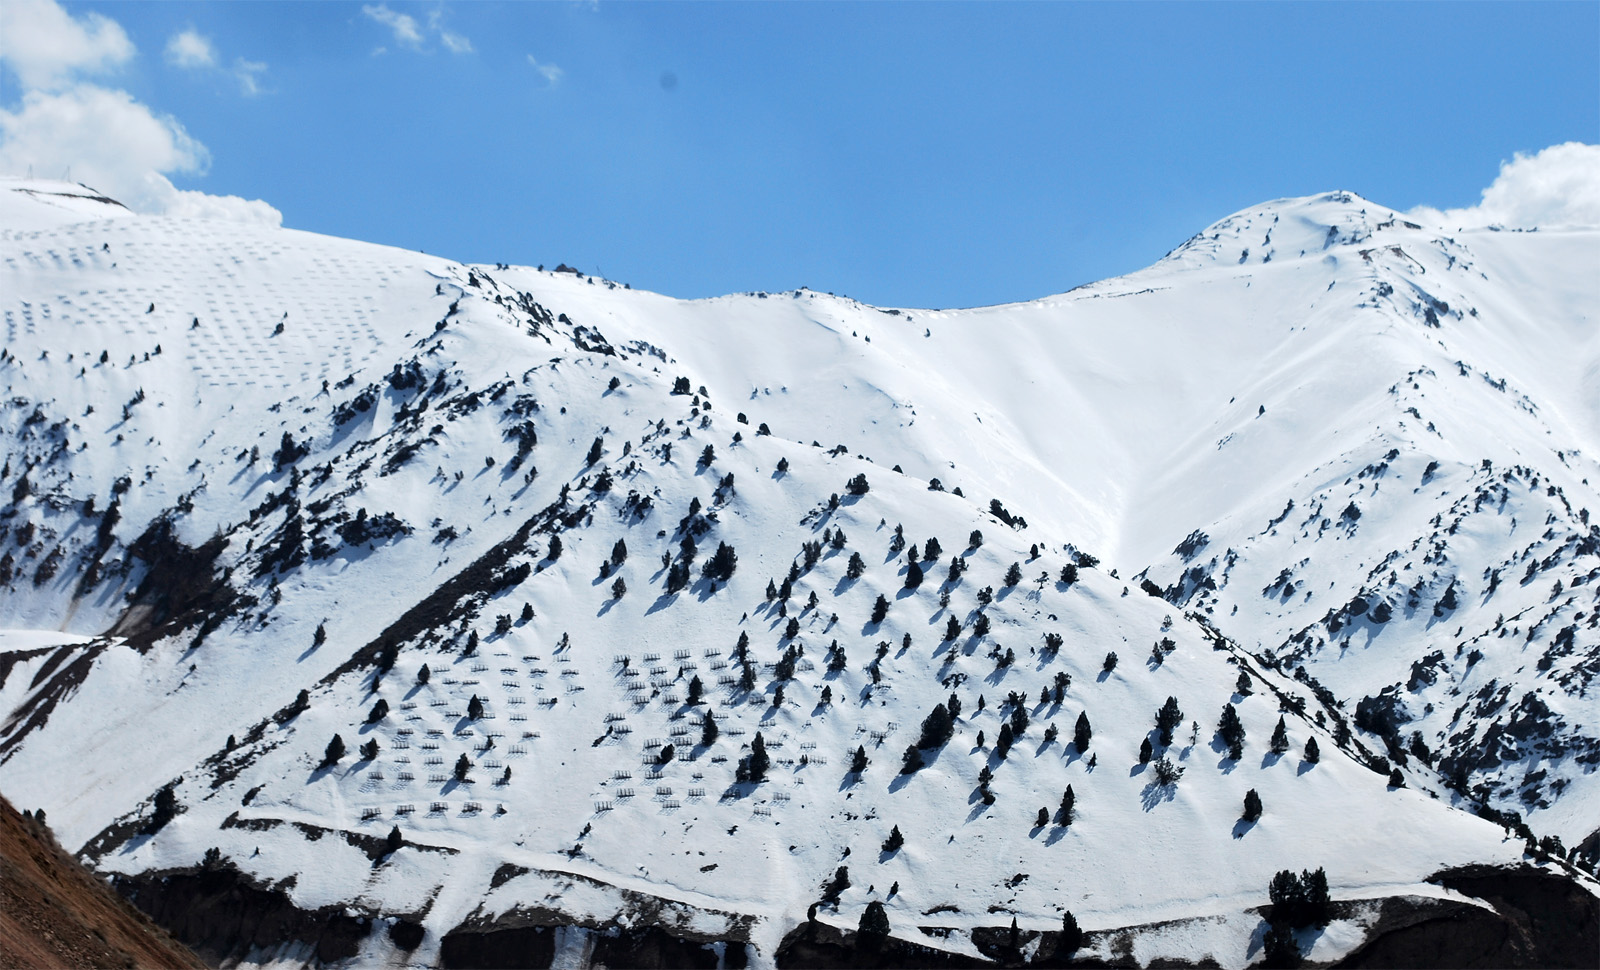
245	462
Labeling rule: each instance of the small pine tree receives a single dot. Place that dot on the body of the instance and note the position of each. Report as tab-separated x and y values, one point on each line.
913	575
1231	730
708	730
1168	719
1002	744
1396	779
952	629
379	711
1014	574
1110	663
1081	733
333	752
1280	950
759	762
1242	685
1280	738
1071	936
1313	755
708	454
554	552
911	762
1146	751
975	539
1042	819
474	708
894	841
369	751
1252	806
472	644
463	765
880	609
423	674
321	636
595	451
394	842
1065	814
858	761
873	930
931	549
527	608
1069	575
858	485
619	589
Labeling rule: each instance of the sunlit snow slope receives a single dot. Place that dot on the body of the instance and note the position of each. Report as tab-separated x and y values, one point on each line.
242	463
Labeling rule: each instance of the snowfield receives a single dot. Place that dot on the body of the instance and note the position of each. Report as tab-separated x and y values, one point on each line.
1319	452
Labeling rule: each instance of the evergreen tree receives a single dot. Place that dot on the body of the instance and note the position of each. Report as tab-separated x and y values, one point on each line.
792	628
952	629
474	708
166	807
554	552
858	485
759	762
394	842
1242	685
880	609
695	687
1081	733
527	608
619	589
1312	754
424	674
619	552
1280	951
931	550
911	762
677	576
708	730
975	539
1280	738
1396	779
1071	936
472	644
1146	752
1110	663
1252	806
1014	574
858	761
937	728
463	765
873	930
369	751
1042	819
913	575
379	711
1168	719
856	567
1069	575
595	451
894	841
708	455
334	751
772	591
1002	744
1065	814
1231	730
722	563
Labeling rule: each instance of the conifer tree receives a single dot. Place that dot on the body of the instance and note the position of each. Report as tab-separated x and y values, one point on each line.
423	674
619	589
695	687
1071	936
463	765
952	629
1081	733
1065	814
913	575
1146	752
880	609
1042	819
1280	738
1252	806
334	751
1002	744
708	730
1014	574
1313	755
858	761
394	842
873	930
894	841
1168	719
474	708
1231	730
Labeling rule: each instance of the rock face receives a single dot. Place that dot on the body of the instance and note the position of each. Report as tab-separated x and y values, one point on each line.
1538	919
53	913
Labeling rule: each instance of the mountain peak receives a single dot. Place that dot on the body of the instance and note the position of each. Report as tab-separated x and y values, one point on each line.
1290	228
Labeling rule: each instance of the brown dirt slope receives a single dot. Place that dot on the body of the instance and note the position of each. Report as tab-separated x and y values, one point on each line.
54	913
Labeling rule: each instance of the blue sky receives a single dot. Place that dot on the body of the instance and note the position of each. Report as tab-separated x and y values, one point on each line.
902	153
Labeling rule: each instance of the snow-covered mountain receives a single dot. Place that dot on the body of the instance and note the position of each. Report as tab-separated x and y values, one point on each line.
259	480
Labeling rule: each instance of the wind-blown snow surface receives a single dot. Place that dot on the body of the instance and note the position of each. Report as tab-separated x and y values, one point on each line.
280	431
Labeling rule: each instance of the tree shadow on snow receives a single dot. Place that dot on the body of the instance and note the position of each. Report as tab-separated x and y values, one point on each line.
1240	827
1155	794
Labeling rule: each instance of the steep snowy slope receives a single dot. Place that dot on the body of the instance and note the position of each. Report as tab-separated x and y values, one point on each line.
248	462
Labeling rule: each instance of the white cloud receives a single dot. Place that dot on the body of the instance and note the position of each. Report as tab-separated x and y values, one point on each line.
406	31
247	73
105	138
1559	186
550	72
47	47
455	43
191	49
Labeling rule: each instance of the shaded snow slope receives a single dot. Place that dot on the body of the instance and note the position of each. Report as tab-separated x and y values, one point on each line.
246	462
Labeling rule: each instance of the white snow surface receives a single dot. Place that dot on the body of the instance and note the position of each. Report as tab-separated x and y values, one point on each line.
1279	356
